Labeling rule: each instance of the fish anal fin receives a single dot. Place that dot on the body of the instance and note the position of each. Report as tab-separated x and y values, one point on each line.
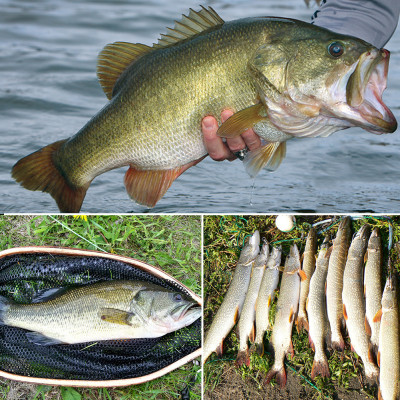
38	171
378	358
269	301
252	333
366	257
189	26
236	316
367	326
147	187
345	313
268	157
291	350
302	274
307	302
291	314
371	353
219	349
241	121
310	341
113	61
377	316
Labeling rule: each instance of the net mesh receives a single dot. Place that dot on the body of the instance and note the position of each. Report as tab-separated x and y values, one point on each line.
22	276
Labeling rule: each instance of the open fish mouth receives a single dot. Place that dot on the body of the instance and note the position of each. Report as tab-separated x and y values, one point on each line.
190	311
364	93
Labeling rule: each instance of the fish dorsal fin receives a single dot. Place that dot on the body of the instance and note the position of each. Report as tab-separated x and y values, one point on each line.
113	61
190	25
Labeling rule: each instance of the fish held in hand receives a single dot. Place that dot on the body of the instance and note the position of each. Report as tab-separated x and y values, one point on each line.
232	305
284	78
102	311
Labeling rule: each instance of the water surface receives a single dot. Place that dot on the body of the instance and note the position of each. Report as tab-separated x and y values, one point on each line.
49	90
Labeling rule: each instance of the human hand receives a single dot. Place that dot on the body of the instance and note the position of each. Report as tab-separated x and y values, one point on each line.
219	150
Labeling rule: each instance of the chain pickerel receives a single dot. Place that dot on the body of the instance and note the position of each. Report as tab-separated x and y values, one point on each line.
266	296
232	304
284	78
353	301
308	268
317	316
248	315
334	283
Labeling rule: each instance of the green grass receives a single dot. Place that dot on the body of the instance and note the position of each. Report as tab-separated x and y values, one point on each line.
223	240
172	243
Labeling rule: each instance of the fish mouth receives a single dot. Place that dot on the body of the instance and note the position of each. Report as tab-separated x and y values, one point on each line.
364	93
191	311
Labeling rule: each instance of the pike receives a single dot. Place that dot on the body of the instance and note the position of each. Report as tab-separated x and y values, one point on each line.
317	317
232	304
284	78
373	287
389	347
247	317
288	302
334	283
353	301
266	296
308	268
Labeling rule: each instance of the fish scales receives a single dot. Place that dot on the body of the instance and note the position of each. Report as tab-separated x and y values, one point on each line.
334	282
266	296
373	286
248	314
232	304
159	95
389	344
353	301
308	268
317	316
102	311
287	306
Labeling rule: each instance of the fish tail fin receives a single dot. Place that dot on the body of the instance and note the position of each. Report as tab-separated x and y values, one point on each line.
280	374
4	306
371	370
337	341
243	358
321	368
37	171
302	323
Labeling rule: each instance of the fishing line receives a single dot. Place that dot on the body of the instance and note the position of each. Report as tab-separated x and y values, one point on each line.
77	234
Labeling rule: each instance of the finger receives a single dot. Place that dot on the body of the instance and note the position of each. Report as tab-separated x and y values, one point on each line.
251	139
237	143
215	147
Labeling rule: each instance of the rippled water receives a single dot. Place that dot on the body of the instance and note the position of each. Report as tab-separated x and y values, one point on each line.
49	90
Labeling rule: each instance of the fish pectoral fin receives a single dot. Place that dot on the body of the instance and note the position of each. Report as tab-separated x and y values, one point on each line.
268	157
114	316
367	327
38	171
42	340
377	316
345	313
113	61
241	121
147	187
302	274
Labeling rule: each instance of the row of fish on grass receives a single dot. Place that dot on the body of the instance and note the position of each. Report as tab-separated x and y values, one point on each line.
322	294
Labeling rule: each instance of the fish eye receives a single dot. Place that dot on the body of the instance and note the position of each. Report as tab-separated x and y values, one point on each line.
177	297
335	49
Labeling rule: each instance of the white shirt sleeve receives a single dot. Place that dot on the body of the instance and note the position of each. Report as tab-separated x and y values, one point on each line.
371	20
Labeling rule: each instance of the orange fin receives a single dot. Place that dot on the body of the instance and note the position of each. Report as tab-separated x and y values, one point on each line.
378	358
379	394
367	326
320	368
328	252
268	157
366	257
37	171
377	316
310	341
302	324
147	187
280	377
236	316
219	349
291	350
243	358
241	121
269	301
370	353
252	334
291	314
302	274
345	313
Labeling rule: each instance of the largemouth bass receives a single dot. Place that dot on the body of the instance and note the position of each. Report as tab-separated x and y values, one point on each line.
334	283
247	317
284	78
389	345
353	301
317	316
288	302
102	311
232	304
266	296
373	287
308	268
